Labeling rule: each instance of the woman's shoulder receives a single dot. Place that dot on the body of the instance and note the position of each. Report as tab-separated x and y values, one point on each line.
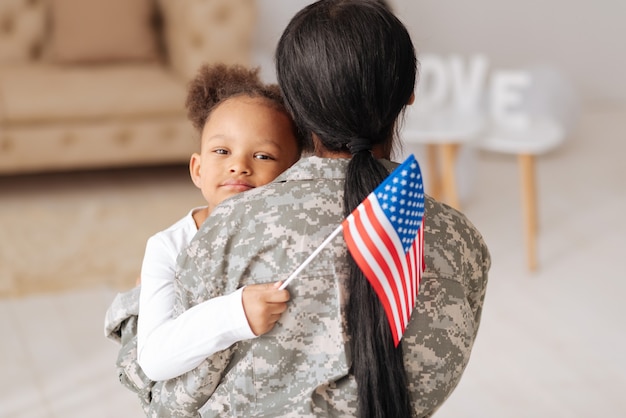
451	238
310	186
446	217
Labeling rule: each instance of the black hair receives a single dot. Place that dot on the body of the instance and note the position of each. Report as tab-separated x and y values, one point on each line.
347	69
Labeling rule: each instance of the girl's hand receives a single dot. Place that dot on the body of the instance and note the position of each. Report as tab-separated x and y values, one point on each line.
263	305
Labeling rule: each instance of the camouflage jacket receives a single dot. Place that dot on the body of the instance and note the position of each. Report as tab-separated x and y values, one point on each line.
301	367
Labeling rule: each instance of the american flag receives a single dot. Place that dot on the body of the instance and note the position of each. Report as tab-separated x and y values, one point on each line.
385	236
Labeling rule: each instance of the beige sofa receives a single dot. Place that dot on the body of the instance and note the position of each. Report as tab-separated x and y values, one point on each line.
102	83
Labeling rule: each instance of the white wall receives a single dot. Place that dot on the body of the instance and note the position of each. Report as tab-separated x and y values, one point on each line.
273	18
586	40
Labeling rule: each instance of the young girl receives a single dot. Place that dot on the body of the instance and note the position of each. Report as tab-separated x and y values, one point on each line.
247	139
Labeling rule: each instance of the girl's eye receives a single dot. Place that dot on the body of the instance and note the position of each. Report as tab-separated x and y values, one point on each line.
263	157
221	151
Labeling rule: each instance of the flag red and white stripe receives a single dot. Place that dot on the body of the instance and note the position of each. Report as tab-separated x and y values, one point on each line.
385	237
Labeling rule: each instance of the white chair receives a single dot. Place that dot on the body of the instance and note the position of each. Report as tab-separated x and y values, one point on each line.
442	131
447	113
550	105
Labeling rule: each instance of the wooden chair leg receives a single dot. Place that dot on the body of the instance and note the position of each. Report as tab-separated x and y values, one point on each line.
434	180
449	153
529	207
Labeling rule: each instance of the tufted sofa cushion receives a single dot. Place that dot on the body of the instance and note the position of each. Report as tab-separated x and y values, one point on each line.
22	29
110	30
200	31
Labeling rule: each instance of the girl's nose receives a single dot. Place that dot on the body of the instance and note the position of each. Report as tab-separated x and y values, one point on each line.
240	166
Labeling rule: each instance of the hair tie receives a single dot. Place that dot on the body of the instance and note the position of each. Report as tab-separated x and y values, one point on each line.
359	144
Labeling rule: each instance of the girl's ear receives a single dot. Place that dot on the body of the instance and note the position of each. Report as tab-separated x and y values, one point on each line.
194	169
411	99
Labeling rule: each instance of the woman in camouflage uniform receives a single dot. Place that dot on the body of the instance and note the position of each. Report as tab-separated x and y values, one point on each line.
347	69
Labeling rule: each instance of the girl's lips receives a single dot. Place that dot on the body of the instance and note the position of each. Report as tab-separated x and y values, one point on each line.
237	185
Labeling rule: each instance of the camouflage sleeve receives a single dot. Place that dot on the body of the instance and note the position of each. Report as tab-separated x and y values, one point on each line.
458	249
179	397
444	324
477	279
121	326
129	372
124	306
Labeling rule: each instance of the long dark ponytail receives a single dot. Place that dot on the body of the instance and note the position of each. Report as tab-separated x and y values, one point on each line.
347	69
377	365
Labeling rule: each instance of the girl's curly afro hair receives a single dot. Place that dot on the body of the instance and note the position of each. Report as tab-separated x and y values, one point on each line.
215	83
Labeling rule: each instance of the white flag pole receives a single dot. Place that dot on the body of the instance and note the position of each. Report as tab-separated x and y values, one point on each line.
311	257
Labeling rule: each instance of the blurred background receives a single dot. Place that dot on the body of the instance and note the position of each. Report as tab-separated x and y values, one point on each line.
94	145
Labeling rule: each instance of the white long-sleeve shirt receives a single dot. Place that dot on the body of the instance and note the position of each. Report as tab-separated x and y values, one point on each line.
168	347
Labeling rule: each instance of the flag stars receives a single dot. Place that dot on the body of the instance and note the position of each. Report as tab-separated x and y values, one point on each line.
401	198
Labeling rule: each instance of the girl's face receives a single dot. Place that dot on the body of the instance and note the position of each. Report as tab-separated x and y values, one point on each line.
246	143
